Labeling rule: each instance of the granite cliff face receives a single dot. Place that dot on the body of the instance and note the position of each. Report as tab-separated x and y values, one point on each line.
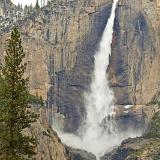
60	41
134	63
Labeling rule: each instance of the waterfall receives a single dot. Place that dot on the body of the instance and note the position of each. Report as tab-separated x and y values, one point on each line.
99	101
98	132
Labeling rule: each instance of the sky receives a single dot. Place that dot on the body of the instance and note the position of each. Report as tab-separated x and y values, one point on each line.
24	2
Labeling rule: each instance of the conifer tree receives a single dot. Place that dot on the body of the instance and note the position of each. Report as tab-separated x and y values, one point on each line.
37	5
25	10
30	9
15	116
41	101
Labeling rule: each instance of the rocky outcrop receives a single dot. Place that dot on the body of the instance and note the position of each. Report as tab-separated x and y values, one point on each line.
77	154
9	13
136	149
4	7
49	146
135	118
144	148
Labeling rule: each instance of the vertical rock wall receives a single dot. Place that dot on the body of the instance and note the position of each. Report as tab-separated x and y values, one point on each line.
134	68
158	3
60	41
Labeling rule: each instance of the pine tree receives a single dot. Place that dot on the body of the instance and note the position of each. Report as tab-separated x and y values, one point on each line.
26	10
41	101
37	5
15	116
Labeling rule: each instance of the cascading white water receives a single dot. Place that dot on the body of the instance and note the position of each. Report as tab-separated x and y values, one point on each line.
99	101
95	137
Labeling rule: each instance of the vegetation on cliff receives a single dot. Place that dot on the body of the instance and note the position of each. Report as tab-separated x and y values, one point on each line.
35	100
154	130
15	115
151	150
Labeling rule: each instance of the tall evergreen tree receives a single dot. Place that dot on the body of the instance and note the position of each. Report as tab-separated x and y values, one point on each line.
37	5
25	10
15	116
41	101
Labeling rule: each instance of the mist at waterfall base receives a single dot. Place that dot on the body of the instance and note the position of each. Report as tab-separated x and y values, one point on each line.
99	133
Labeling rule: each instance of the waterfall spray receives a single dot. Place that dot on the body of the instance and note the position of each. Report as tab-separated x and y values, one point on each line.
98	135
99	101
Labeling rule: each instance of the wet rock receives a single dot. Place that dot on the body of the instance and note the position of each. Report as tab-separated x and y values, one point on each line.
146	147
135	149
77	154
135	118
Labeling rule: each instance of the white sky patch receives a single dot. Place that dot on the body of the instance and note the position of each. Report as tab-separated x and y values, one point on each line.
25	2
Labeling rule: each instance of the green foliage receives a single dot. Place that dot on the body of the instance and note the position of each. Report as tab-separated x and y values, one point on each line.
14	111
41	101
155	100
151	150
37	5
157	157
49	3
136	154
154	131
35	100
